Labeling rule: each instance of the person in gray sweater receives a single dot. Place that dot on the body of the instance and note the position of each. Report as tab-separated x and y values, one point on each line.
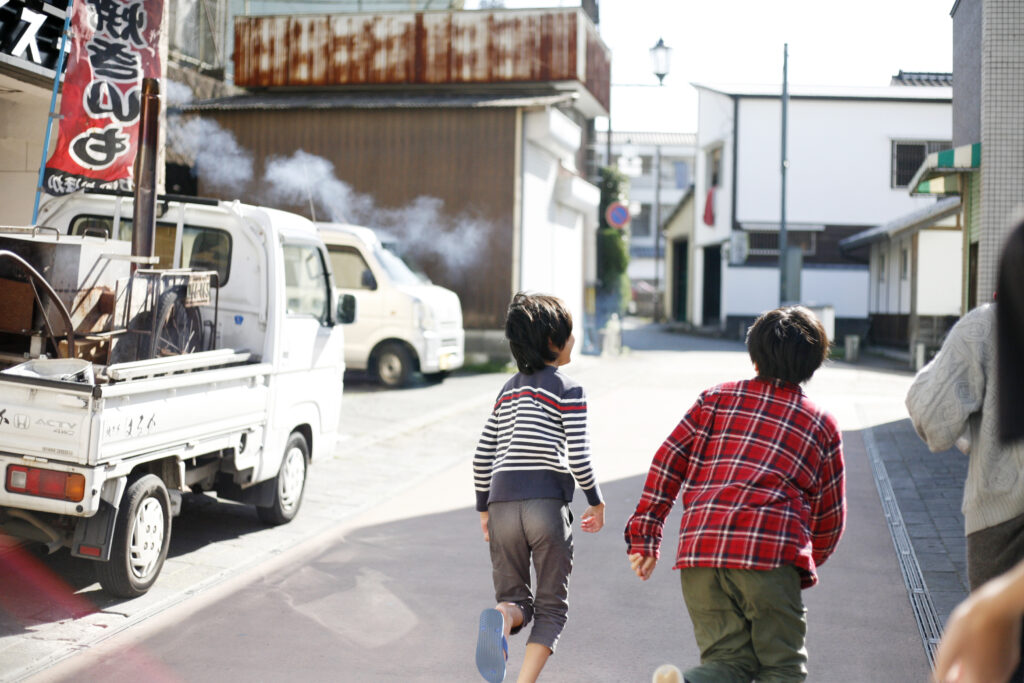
954	398
970	395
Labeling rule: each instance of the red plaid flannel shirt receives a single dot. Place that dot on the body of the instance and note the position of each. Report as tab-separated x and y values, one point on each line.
761	471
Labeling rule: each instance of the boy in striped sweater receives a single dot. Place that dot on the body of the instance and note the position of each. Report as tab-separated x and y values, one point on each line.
533	452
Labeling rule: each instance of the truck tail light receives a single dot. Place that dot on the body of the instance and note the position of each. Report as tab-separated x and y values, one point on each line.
35	481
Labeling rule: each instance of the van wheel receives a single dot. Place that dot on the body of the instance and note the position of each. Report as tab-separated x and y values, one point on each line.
392	365
290	483
142	534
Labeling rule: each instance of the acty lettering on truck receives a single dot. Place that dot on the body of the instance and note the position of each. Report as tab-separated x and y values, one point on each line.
214	365
406	324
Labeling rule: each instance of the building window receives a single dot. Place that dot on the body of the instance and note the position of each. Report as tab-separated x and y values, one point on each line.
908	155
881	268
767	243
904	264
714	167
640	223
682	172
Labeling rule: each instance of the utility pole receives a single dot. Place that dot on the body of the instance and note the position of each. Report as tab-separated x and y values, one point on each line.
783	246
657	232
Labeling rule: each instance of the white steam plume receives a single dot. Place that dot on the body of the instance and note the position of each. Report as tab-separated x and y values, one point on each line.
177	94
213	152
421	227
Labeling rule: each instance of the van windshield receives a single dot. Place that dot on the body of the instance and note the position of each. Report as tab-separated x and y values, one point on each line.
396	269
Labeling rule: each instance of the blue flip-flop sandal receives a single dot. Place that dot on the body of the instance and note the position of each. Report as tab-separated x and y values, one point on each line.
491	646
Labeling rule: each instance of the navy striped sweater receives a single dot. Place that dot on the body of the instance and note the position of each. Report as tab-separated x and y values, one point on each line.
535	443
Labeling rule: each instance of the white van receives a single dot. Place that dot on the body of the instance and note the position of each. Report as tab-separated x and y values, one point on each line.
405	324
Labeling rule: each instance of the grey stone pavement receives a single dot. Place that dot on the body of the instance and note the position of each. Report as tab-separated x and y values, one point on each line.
919	491
929	488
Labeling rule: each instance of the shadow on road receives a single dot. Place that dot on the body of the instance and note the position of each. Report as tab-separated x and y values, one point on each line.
38	588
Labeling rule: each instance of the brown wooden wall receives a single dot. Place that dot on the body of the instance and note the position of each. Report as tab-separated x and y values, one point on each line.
464	157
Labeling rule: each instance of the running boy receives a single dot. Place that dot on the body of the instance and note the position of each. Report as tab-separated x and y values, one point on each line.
763	492
534	450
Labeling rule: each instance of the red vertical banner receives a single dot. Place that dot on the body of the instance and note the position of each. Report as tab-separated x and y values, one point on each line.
114	45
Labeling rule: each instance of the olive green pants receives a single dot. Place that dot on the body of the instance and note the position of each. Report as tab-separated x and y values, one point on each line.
748	624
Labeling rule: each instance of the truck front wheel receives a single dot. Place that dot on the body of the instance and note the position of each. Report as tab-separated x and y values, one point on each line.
392	365
290	483
142	534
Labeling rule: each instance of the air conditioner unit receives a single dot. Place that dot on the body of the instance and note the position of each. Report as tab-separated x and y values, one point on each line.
739	247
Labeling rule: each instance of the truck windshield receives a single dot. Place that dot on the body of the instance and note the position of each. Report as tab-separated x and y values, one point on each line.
396	269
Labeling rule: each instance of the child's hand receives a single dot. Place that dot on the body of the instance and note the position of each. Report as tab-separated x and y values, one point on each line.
484	516
642	566
593	519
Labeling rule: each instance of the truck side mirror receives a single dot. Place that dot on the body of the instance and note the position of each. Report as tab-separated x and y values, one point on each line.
346	309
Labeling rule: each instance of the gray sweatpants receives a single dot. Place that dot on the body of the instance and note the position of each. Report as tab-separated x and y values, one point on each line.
541	529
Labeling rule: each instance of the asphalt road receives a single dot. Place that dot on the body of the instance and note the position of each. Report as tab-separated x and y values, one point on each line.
391	587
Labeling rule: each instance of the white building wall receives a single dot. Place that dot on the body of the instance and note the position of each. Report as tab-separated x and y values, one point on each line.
22	131
839	153
939	260
753	290
552	245
714	130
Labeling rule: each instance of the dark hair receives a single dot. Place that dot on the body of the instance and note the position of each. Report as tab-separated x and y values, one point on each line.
788	343
533	325
1010	337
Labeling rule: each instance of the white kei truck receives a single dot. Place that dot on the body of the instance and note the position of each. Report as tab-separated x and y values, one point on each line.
126	380
406	324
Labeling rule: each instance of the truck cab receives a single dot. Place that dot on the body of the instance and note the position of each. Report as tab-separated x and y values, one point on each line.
405	324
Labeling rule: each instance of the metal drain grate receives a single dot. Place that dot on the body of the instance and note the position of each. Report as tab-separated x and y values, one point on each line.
928	624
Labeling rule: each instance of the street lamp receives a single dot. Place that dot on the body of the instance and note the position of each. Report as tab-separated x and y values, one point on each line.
661	55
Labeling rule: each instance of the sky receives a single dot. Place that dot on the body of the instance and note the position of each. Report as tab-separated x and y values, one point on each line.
728	42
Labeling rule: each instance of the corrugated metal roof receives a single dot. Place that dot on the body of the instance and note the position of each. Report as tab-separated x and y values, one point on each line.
437	48
922	218
833	92
374	100
646	138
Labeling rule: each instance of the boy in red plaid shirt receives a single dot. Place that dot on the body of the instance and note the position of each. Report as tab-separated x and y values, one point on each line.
764	503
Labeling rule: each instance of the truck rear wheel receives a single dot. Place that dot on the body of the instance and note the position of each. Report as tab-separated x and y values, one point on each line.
392	365
290	483
142	534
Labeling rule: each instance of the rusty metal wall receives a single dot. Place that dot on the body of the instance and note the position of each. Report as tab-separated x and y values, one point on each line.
465	157
525	46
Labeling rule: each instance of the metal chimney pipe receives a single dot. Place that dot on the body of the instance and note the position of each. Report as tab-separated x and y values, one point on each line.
144	217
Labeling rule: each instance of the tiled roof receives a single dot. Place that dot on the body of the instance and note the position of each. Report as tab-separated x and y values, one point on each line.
927	78
645	138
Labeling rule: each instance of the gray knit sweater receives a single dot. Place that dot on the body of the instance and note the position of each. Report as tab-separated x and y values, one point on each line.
957	392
